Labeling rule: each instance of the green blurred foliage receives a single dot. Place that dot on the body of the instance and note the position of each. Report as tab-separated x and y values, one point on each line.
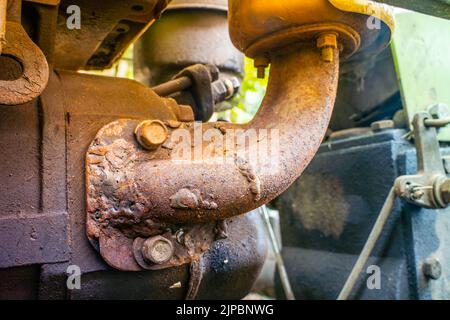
246	103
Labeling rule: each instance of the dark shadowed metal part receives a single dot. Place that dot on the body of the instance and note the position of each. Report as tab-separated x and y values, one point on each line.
188	33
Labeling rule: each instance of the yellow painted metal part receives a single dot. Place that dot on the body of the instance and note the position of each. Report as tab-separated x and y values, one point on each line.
3	6
261	27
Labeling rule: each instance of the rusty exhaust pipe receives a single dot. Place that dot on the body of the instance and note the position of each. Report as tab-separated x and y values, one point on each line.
297	106
134	193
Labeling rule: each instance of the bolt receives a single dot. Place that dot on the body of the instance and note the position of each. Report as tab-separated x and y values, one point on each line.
432	268
417	194
151	134
261	63
439	111
382	125
232	84
327	42
157	250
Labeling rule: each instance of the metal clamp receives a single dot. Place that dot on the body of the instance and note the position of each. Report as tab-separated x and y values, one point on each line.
430	187
203	82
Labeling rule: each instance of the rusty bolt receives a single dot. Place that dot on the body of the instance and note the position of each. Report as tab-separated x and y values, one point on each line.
157	250
261	63
151	134
327	42
432	268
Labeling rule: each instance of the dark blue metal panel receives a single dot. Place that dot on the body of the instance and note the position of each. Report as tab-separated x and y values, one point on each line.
327	215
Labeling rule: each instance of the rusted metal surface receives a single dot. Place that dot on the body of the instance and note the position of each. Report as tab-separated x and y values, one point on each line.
3	7
27	78
46	2
129	188
172	86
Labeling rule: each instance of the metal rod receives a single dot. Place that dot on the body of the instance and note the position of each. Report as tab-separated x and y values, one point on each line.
437	123
279	259
3	8
172	86
368	247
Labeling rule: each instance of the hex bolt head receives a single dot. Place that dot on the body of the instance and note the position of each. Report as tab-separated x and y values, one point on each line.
432	268
327	42
151	134
157	250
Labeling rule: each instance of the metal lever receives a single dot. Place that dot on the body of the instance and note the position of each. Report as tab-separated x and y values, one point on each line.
368	247
428	188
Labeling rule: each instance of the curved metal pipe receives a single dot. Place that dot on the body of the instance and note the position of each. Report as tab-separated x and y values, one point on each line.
298	103
297	108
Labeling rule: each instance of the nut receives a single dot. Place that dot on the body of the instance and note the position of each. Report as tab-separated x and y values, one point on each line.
444	189
432	268
151	134
157	250
328	43
261	63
